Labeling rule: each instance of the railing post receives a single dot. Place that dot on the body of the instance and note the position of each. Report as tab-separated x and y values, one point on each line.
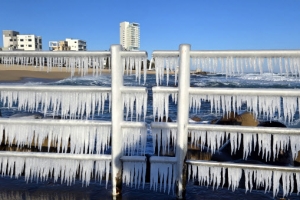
182	117
116	118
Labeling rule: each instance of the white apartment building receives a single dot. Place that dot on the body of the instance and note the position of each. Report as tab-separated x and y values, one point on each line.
76	44
13	40
130	36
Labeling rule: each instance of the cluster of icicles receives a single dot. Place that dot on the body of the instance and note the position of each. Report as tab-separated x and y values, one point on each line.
134	173
72	104
229	66
40	169
216	177
164	138
82	64
262	106
79	138
163	173
137	64
215	140
67	104
138	101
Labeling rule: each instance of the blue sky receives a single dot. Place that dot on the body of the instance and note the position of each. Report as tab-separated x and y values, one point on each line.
165	24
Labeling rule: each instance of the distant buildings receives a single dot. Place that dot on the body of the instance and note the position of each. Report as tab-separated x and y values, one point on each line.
13	40
130	36
68	45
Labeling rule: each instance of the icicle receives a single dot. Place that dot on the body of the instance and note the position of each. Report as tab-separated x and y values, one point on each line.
40	168
161	104
171	64
163	173
68	103
295	145
248	140
234	177
195	101
134	140
165	138
215	140
235	142
198	137
140	100
280	142
264	145
134	173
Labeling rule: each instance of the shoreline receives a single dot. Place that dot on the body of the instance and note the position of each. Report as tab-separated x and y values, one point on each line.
12	73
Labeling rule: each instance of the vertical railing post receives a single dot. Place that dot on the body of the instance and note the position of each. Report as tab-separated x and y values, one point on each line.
182	117
116	118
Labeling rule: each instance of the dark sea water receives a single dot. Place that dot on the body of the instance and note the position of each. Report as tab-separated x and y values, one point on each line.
19	189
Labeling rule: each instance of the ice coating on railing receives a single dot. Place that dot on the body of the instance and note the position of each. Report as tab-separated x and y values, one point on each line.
80	139
163	173
137	100
40	169
161	104
164	138
262	106
70	64
67	104
170	64
207	175
238	65
134	140
135	63
134	173
215	139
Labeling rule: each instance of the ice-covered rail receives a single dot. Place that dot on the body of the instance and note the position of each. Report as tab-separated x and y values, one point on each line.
268	102
85	141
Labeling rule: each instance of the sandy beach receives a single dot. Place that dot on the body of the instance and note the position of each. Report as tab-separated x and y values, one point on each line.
10	73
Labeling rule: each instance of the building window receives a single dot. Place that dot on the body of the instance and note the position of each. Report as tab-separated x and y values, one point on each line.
15	39
29	45
22	45
21	40
29	40
40	46
10	40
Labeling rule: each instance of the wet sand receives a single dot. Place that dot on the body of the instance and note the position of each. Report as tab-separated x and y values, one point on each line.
10	73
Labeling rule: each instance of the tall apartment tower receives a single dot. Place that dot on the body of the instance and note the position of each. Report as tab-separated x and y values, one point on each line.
130	36
12	40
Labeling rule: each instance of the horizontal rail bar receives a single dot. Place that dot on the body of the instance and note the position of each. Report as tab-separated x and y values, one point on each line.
54	53
163	159
126	124
244	129
247	53
133	158
245	91
133	89
159	89
163	125
165	53
55	155
243	166
53	88
53	122
133	53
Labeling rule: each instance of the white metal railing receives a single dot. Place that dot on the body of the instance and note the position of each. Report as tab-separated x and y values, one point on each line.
267	101
73	102
169	171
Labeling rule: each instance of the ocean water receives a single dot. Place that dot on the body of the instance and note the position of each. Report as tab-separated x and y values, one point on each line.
19	189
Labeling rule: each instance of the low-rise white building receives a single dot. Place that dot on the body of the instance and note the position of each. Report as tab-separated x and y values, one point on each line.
13	40
76	44
29	42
